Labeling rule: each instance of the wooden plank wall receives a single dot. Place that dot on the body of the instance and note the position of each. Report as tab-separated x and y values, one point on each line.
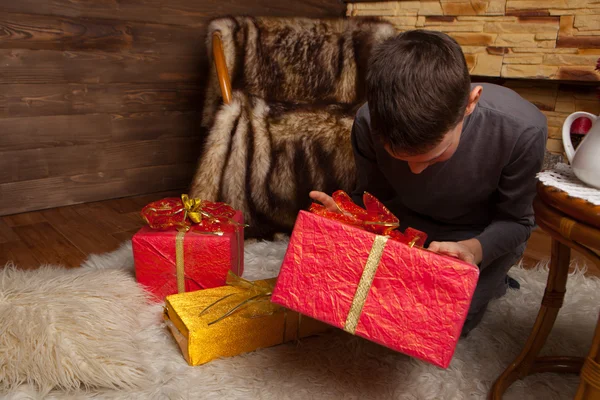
100	99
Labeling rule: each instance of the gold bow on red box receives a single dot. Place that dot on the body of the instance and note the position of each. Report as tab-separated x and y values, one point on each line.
194	216
375	218
203	215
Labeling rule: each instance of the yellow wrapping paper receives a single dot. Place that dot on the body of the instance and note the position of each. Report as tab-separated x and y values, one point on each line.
249	328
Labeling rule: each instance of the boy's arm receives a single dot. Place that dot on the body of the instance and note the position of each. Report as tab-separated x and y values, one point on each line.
369	177
514	217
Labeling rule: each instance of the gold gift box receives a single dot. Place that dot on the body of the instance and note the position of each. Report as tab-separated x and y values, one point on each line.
232	320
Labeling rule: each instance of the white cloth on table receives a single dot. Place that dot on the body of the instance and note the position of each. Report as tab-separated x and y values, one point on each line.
563	178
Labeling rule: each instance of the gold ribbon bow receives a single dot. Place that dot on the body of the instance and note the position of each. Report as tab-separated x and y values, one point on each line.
192	208
256	294
256	302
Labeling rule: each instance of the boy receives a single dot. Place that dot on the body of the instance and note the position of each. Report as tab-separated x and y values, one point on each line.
453	159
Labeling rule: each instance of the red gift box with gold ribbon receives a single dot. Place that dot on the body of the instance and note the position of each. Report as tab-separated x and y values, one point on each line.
188	245
354	270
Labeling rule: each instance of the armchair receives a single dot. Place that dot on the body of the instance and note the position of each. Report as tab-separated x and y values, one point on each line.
279	107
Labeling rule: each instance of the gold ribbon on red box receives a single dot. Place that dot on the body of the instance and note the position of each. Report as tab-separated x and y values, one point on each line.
185	214
375	218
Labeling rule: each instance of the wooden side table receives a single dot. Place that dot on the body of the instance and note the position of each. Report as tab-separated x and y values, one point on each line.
573	224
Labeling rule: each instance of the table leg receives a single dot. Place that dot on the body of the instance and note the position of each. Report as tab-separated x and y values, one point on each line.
551	304
589	385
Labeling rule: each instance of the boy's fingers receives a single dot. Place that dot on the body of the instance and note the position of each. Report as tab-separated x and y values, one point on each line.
319	196
467	257
316	195
442	248
452	250
434	246
324	199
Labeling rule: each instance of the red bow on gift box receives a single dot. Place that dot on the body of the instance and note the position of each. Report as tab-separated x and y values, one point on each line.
375	217
185	212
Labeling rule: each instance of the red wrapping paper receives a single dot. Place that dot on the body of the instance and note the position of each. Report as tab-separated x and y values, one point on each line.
211	248
417	302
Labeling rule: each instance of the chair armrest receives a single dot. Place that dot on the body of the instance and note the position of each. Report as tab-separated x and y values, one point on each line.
221	66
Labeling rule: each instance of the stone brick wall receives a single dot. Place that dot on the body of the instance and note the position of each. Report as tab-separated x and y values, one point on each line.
528	44
548	39
557	101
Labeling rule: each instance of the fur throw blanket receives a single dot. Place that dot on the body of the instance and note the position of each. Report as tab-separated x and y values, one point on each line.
265	160
297	84
294	60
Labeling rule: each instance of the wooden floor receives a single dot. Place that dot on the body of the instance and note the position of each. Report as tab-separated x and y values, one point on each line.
67	235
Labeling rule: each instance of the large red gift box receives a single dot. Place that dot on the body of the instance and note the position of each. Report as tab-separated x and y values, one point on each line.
189	245
381	286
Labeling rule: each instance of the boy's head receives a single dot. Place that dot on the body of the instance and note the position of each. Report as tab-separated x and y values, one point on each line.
419	91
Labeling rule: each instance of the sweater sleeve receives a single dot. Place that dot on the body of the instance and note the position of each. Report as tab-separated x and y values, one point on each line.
369	176
514	217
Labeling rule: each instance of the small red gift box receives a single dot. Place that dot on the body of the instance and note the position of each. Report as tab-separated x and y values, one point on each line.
188	245
381	286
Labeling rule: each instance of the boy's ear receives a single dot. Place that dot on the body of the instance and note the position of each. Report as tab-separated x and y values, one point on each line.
473	99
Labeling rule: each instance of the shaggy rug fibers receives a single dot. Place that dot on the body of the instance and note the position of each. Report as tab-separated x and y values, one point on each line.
333	366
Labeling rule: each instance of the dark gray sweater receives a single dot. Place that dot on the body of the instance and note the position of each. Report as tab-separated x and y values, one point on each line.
485	190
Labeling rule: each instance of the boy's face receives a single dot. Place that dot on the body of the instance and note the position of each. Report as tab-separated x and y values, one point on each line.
443	150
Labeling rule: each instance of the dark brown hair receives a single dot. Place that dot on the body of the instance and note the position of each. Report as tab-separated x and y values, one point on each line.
418	88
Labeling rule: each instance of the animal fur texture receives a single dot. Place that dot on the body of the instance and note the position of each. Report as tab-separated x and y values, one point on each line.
70	329
297	85
294	60
328	367
265	160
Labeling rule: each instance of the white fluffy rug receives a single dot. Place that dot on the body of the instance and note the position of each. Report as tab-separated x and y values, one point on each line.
339	366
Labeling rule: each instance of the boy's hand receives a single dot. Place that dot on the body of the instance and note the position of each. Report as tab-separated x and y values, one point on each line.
324	199
468	250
